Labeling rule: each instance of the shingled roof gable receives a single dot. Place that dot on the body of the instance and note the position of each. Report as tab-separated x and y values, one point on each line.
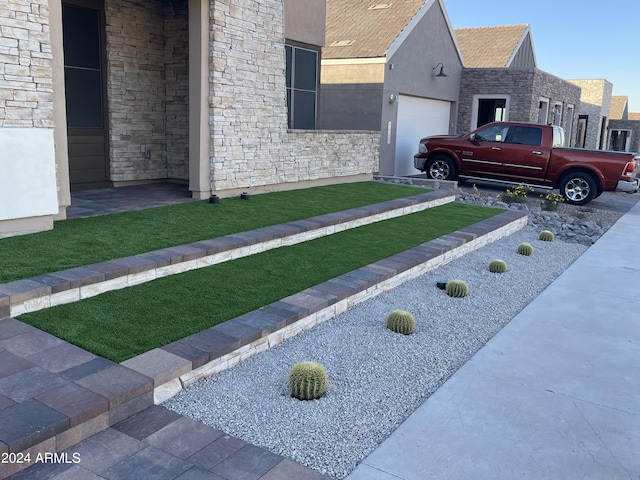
491	47
618	109
369	28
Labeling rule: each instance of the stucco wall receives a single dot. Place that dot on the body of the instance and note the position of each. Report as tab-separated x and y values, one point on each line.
429	44
351	95
305	21
27	182
250	143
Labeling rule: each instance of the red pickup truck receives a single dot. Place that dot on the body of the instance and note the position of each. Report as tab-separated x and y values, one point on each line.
510	152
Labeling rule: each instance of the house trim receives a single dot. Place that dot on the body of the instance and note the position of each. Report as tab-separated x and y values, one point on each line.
353	61
199	129
476	106
59	109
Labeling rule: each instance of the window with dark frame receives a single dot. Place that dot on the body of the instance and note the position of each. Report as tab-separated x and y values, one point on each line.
302	87
82	69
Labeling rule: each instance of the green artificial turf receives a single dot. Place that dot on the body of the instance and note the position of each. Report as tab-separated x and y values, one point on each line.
123	323
83	241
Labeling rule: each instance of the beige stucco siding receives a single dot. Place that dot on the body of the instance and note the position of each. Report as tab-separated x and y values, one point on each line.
335	74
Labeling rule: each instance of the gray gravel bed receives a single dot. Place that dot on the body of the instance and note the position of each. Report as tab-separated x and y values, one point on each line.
377	378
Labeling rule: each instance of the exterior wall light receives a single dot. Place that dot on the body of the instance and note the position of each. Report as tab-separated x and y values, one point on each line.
441	72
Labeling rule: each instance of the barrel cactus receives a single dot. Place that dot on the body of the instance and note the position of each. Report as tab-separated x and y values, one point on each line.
498	266
457	288
525	249
307	380
546	236
401	321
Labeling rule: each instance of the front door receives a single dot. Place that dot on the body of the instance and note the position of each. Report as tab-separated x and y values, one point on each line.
84	73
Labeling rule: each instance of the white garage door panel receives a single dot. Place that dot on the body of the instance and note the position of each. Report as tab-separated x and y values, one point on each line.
417	118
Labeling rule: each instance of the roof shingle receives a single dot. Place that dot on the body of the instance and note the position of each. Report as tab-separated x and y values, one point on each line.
489	47
618	106
366	32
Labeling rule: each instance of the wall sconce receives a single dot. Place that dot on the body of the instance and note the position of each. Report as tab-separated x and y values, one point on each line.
393	98
441	72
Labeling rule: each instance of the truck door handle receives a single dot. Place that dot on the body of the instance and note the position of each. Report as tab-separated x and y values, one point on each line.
536	152
496	148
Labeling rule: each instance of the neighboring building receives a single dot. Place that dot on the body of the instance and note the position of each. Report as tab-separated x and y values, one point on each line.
390	67
624	127
595	104
502	82
114	92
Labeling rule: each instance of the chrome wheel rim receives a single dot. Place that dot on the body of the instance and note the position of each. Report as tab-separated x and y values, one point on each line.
439	170
577	189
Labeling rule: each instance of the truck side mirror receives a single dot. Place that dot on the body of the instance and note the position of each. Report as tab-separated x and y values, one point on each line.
472	137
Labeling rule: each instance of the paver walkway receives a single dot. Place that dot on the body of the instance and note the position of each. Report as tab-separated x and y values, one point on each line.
55	387
90	203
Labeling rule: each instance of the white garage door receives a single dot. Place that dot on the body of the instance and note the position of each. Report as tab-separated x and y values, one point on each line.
417	118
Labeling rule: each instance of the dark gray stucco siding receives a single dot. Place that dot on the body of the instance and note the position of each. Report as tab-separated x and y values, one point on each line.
428	44
345	106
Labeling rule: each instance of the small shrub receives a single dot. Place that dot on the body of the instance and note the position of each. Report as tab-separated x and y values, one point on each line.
307	380
498	266
401	321
546	236
550	201
517	195
457	288
525	249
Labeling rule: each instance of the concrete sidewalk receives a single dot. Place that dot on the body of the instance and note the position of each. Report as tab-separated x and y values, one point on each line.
554	395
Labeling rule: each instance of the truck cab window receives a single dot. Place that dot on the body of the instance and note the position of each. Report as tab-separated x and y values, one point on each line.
494	133
525	136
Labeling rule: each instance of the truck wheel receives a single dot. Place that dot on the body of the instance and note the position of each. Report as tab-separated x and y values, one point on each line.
578	188
441	168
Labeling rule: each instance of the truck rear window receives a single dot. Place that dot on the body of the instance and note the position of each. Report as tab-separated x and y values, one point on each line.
525	135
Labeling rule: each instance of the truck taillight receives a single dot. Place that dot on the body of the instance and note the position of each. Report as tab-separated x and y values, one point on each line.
629	168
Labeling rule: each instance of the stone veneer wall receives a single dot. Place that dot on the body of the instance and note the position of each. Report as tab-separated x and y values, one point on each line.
147	55
26	87
176	61
633	126
250	145
517	83
524	86
557	90
596	104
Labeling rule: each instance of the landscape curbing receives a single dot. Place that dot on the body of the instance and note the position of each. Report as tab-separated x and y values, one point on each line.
220	347
72	285
107	393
